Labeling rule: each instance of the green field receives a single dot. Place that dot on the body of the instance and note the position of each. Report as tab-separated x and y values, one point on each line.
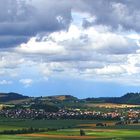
7	137
113	135
69	128
8	124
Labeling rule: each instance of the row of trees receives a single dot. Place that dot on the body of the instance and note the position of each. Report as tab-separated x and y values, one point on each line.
25	131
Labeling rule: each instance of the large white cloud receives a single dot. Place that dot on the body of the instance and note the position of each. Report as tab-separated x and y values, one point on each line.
94	53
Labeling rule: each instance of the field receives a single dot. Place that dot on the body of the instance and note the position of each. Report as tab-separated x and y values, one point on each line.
73	134
69	130
112	105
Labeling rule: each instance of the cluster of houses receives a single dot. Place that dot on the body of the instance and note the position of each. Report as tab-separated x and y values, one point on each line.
66	114
133	113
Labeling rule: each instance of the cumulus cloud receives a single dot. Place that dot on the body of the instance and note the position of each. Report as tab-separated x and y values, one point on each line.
10	61
5	82
79	43
41	47
26	82
92	53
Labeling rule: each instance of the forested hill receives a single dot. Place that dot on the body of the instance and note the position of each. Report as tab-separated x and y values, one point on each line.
129	98
6	97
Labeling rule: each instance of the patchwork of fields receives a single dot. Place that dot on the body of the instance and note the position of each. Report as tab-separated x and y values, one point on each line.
69	130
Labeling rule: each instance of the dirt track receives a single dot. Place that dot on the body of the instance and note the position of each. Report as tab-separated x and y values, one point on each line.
60	136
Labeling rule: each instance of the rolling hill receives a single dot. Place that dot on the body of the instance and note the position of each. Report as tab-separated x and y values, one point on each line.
129	98
7	97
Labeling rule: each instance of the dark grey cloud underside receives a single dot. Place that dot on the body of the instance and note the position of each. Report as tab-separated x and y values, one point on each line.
21	19
106	14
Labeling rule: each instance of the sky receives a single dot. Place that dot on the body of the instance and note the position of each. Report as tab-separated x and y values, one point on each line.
84	48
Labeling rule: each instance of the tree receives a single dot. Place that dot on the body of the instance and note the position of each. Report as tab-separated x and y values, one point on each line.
82	132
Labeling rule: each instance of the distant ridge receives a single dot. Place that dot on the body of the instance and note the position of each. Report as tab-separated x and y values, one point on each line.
129	98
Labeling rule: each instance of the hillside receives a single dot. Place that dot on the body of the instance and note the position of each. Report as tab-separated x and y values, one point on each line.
129	98
7	97
62	98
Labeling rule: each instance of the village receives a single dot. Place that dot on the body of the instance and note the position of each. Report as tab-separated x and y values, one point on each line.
131	115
